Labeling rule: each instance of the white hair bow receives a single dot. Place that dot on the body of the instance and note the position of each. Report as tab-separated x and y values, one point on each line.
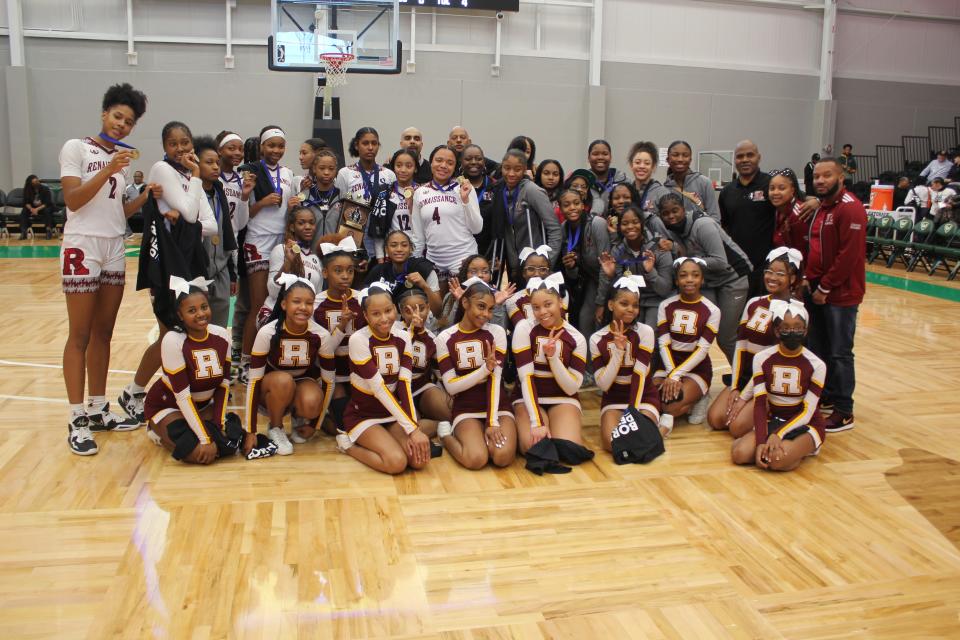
469	282
679	261
346	245
630	283
380	284
552	281
180	286
794	256
288	279
542	250
780	309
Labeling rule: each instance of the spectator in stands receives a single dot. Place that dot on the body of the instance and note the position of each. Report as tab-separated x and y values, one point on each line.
901	191
919	199
954	174
849	165
834	282
808	173
938	168
940	195
37	207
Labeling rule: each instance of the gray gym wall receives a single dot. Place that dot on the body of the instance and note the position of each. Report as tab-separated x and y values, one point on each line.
544	98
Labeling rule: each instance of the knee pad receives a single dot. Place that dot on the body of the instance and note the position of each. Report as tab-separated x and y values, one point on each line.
337	407
184	439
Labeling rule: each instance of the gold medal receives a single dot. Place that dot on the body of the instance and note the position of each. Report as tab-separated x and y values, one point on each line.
296	248
626	273
408	193
215	240
462	180
408	284
135	154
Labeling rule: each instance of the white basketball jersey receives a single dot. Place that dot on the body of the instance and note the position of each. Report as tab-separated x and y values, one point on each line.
102	216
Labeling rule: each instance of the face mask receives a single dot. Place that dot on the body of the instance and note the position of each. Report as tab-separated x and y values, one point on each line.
678	227
792	339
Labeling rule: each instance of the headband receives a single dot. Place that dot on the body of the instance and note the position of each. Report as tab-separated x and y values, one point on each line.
289	279
272	133
180	286
553	281
380	284
679	261
794	257
475	280
630	283
230	137
542	250
780	308
347	245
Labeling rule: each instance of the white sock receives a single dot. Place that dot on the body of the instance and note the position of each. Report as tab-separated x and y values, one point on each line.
444	429
133	388
96	403
77	411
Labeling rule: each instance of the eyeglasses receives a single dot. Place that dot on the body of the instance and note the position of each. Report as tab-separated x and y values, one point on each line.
539	271
478	272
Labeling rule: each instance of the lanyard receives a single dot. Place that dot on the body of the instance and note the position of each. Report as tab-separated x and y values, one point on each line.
114	141
215	201
643	196
633	261
510	201
371	181
235	178
277	188
482	189
320	199
443	188
608	184
574	240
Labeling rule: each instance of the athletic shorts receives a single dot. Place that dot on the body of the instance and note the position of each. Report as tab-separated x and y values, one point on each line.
815	429
256	251
617	398
702	374
86	262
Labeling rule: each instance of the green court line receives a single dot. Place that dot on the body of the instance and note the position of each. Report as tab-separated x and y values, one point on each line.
51	251
915	286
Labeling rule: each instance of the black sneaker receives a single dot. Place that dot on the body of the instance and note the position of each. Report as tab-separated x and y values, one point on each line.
80	438
106	420
838	422
826	406
132	404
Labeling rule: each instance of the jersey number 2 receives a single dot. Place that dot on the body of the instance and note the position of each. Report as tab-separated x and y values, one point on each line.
113	188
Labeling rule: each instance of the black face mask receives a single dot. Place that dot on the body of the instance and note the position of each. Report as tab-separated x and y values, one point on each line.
678	227
792	339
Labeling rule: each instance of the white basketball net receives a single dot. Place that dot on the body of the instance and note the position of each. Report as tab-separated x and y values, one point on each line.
335	67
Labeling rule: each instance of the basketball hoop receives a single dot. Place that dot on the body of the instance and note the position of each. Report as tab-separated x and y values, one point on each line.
335	67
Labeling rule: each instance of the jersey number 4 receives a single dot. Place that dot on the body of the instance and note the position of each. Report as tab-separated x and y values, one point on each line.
436	215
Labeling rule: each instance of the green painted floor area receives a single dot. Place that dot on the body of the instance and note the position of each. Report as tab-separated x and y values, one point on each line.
915	286
50	251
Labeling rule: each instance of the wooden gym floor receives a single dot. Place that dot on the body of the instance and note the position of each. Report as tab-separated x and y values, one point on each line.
860	542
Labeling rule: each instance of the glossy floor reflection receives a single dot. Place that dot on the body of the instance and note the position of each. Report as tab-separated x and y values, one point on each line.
861	542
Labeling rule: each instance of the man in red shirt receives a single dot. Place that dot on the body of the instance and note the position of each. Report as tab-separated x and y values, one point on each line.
835	280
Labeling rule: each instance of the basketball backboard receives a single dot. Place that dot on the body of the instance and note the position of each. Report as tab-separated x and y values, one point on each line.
302	31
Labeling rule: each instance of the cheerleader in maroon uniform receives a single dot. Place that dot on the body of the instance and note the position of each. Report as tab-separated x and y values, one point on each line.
291	367
431	402
787	383
551	356
534	263
338	311
621	355
470	355
731	409
686	327
185	409
380	422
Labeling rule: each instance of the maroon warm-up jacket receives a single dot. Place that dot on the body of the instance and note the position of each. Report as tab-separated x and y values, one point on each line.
838	263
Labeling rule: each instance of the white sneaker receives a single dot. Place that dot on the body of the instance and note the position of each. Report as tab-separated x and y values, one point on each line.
698	413
343	442
294	434
666	424
279	437
444	429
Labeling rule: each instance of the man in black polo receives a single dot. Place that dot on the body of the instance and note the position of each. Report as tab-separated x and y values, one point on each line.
746	213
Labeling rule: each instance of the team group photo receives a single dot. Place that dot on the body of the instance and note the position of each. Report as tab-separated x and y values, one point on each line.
362	336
